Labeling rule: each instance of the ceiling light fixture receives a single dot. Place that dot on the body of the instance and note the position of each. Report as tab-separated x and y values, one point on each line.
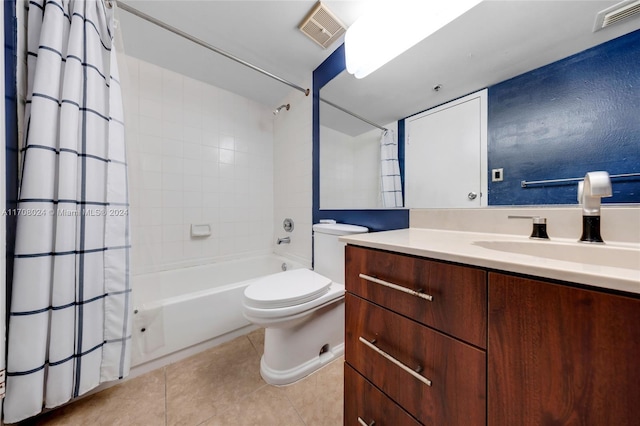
384	33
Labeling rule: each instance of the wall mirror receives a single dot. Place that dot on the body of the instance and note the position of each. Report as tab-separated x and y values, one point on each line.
350	160
487	47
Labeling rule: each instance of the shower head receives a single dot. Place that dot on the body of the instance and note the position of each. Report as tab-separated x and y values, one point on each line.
277	110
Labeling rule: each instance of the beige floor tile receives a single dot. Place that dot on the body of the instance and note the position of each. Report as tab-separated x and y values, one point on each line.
268	406
221	386
257	340
206	384
139	401
318	397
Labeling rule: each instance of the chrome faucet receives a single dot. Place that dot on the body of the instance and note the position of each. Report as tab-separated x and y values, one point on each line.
595	186
285	240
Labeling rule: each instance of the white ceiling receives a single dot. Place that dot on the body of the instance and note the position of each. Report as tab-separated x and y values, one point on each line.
493	42
264	33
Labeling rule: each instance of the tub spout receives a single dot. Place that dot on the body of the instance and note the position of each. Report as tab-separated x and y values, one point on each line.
285	240
596	185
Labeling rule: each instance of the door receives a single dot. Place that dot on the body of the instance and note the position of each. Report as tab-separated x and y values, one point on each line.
446	155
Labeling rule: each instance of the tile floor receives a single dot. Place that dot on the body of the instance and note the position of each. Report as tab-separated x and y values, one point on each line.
218	387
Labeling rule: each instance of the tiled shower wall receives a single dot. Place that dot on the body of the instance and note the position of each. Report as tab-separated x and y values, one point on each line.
293	176
198	155
349	170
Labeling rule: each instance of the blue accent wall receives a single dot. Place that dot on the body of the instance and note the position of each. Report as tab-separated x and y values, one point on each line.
565	119
375	220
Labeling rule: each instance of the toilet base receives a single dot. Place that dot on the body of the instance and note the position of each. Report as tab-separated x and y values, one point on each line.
293	353
281	378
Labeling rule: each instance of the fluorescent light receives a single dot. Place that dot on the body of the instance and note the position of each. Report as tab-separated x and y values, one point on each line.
385	32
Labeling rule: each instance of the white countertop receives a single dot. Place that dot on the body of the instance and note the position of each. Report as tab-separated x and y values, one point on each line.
460	247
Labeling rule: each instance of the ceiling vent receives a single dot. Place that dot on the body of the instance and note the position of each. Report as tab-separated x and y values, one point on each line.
322	26
616	13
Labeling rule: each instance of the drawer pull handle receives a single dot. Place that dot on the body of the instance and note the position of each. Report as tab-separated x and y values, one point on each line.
395	361
363	423
397	287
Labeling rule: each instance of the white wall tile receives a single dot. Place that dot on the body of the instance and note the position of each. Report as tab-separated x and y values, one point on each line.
226	156
192	167
191	150
292	162
147	144
150	108
151	163
171	128
150	80
172	198
199	154
193	183
172	233
150	126
172	215
172	181
193	216
172	147
172	165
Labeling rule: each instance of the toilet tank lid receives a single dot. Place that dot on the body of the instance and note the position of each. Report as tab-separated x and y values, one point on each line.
339	228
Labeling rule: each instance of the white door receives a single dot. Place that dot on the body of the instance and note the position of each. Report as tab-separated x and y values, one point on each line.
446	155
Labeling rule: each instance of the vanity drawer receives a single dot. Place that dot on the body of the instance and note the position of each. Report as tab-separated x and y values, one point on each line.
458	304
365	403
388	349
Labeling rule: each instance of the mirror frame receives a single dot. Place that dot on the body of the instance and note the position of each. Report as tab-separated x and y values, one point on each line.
374	219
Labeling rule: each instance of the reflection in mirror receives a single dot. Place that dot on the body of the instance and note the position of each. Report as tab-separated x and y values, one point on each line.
560	104
350	161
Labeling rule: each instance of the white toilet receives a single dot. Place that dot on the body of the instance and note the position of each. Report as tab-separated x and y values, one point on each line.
302	310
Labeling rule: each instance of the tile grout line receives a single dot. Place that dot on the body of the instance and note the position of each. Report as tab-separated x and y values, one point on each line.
244	397
166	413
284	393
295	409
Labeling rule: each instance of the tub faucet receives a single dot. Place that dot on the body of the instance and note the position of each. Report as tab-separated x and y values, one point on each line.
285	240
595	186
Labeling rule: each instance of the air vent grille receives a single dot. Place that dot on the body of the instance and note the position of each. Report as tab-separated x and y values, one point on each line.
616	13
322	26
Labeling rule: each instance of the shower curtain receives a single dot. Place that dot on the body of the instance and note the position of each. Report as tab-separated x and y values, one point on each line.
390	186
70	320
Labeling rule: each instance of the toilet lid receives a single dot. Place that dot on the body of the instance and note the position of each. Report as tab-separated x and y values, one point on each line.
285	289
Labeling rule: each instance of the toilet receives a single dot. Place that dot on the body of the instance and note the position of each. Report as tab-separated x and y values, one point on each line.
302	310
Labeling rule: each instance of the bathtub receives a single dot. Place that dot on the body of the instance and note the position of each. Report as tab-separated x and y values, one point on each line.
187	308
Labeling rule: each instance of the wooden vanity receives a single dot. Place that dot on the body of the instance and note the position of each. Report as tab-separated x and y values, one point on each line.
442	343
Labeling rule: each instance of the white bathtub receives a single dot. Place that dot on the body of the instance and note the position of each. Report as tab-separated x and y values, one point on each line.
185	308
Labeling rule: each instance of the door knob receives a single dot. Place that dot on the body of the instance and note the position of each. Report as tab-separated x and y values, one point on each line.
472	195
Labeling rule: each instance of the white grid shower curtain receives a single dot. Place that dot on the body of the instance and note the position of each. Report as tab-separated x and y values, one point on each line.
70	322
391	186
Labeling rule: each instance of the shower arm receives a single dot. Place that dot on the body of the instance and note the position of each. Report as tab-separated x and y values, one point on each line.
204	44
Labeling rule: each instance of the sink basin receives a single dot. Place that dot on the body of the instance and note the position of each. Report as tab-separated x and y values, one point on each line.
590	254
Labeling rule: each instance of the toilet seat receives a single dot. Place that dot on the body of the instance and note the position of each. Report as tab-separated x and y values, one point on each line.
286	289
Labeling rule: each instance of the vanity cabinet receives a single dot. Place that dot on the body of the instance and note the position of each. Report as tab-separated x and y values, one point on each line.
435	343
364	403
561	355
415	337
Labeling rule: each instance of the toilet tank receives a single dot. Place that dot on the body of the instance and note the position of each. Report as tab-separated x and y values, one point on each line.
328	251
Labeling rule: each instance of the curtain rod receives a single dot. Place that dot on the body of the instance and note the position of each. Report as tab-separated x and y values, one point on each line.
353	114
189	37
